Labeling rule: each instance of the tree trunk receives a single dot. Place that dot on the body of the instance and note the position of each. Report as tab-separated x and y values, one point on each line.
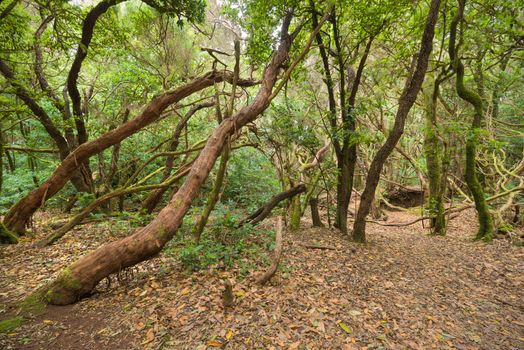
406	101
19	215
212	199
296	213
315	216
81	277
485	220
433	151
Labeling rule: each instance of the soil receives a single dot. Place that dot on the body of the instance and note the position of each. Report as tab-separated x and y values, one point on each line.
402	290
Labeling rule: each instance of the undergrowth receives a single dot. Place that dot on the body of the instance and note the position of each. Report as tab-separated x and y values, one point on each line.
222	244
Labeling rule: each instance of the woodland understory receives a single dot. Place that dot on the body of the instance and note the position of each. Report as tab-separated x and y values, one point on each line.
261	174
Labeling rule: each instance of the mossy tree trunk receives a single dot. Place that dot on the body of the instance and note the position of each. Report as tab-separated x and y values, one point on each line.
434	153
296	213
6	236
485	231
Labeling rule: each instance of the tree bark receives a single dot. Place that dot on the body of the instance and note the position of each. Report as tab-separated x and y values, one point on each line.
88	27
212	199
315	216
434	153
82	276
485	220
345	151
406	101
19	215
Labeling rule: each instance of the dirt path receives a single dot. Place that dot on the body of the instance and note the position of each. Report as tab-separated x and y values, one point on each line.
404	290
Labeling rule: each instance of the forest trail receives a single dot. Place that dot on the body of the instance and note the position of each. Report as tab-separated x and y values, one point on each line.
404	290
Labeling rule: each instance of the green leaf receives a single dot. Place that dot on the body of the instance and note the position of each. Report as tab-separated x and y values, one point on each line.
344	327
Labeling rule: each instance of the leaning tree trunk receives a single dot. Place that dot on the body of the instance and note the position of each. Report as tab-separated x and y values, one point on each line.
81	277
406	101
19	215
221	174
485	220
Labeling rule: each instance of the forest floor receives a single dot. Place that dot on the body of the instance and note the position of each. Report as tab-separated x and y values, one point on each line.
403	290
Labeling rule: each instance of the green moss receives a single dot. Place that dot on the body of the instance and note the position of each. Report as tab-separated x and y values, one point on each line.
68	280
6	236
34	303
65	281
177	203
295	213
485	231
505	227
11	324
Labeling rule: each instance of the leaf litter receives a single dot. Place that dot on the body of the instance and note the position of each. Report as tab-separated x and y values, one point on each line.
403	290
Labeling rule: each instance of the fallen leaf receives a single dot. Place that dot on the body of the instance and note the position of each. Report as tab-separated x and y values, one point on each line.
350	347
474	337
321	328
294	346
344	327
214	343
355	312
150	336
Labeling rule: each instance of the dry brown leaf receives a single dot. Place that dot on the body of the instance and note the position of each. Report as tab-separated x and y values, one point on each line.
294	346
214	343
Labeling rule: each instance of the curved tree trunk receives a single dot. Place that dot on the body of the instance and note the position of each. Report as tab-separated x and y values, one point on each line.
266	276
406	101
81	277
19	215
485	220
